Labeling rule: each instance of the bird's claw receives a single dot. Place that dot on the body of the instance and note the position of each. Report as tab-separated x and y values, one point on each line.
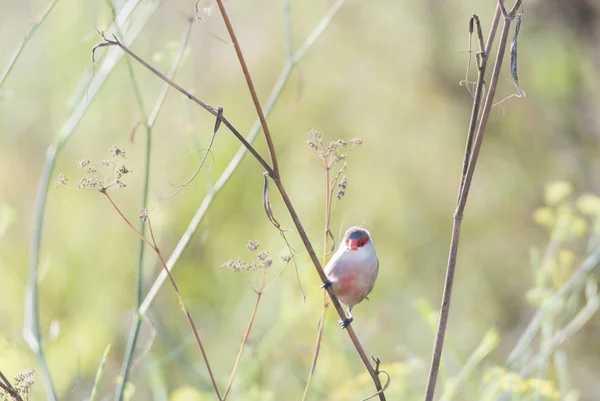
326	284
346	322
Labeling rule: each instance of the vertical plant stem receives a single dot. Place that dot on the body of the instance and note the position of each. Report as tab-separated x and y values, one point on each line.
99	373
31	329
313	364
259	112
243	345
154	245
149	125
464	188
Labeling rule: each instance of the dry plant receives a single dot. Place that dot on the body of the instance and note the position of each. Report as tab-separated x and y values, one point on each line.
478	123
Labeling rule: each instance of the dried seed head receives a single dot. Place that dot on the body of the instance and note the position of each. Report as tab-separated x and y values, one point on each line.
144	215
342	187
253	245
83	163
117	152
330	152
286	258
61	180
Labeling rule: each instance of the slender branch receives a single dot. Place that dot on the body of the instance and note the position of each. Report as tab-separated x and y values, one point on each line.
259	112
150	121
6	386
465	182
99	373
154	246
212	110
125	219
328	197
242	346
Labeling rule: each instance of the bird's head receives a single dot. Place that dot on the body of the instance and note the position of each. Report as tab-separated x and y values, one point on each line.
357	239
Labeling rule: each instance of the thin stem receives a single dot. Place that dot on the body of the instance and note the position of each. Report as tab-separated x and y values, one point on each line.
31	329
28	34
212	110
244	340
99	373
259	112
129	223
313	364
154	246
6	386
186	311
465	184
150	121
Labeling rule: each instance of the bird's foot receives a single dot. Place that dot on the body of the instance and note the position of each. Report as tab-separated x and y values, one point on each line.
326	284
346	322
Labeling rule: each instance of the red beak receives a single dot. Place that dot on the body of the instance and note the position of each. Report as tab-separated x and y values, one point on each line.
352	244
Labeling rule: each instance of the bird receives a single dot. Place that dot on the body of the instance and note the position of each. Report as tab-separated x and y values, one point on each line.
352	270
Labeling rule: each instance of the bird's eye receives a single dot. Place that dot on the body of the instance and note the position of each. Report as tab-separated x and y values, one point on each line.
363	242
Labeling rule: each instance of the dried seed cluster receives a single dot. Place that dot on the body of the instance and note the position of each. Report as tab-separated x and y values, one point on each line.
330	152
112	179
263	261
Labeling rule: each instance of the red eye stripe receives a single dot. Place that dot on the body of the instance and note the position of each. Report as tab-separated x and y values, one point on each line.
363	241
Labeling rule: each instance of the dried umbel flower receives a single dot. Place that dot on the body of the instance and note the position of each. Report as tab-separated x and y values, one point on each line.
117	152
262	260
330	152
109	181
61	180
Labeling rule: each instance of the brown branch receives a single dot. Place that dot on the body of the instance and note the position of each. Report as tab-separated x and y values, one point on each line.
154	246
467	176
212	110
261	116
244	341
6	386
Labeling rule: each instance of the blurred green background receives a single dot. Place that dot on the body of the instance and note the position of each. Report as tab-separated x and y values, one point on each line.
386	72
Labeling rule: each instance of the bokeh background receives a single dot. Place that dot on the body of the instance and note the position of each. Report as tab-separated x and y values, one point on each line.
386	72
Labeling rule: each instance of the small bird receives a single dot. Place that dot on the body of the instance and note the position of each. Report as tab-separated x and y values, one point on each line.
352	270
